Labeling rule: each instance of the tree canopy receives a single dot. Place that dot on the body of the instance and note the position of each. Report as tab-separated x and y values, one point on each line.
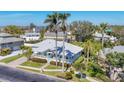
14	30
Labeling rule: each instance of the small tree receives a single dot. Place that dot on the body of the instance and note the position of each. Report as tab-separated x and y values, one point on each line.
42	33
28	53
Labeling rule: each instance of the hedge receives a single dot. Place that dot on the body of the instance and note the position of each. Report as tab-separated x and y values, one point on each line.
39	60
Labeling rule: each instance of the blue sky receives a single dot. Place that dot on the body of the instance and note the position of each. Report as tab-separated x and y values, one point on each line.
37	17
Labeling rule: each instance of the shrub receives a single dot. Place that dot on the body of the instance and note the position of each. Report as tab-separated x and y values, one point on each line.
59	64
53	63
93	69
5	51
78	75
61	75
72	71
38	60
33	41
68	75
103	77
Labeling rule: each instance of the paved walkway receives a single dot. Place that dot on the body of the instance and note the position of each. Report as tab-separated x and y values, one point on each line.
43	67
91	79
17	62
33	68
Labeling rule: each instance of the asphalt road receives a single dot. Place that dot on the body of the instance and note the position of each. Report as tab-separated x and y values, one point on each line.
17	75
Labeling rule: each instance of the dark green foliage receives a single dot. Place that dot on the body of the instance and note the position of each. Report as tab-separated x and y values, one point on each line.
14	30
82	30
68	75
33	41
116	59
5	51
94	69
39	60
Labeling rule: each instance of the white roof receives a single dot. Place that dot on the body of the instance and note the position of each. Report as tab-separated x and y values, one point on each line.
119	49
50	44
30	34
100	35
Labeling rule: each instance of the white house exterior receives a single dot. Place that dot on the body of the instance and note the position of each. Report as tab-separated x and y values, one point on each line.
118	49
30	36
52	35
46	49
98	36
8	41
60	35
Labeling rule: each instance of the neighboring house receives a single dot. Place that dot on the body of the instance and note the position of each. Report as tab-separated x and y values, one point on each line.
60	35
118	49
47	49
98	36
9	41
52	35
30	36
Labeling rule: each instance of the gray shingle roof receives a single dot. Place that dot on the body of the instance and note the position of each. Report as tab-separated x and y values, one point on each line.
52	34
7	38
50	44
4	35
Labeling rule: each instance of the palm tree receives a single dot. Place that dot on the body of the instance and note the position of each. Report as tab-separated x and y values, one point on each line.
63	18
103	28
53	23
88	48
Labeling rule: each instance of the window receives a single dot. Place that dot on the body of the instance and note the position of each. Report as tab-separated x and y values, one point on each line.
60	56
66	57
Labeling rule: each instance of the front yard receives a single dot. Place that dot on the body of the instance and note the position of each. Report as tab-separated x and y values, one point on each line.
10	59
53	67
33	64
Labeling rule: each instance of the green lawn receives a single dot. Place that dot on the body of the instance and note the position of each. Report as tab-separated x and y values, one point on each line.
53	67
52	73
9	59
55	74
33	64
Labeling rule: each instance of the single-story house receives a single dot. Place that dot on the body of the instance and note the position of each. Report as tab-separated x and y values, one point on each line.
30	36
118	49
11	42
47	49
52	35
98	36
60	35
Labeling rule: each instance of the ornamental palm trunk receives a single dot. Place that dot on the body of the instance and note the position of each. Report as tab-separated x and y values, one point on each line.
63	58
56	47
87	55
102	39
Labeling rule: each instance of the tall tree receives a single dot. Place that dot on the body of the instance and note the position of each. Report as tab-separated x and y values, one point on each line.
53	24
88	48
42	32
63	17
82	30
103	28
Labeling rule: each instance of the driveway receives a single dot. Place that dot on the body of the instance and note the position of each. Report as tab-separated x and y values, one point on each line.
16	75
